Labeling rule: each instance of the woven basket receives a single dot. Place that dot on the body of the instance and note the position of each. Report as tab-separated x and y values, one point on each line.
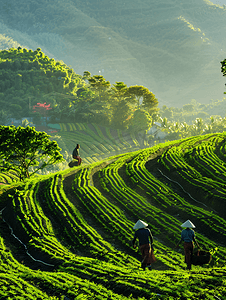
201	257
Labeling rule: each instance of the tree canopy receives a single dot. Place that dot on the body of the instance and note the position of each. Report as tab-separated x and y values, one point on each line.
33	85
141	121
27	76
223	68
25	150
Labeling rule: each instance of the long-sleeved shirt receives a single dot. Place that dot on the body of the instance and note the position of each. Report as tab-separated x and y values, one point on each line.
75	152
144	235
187	235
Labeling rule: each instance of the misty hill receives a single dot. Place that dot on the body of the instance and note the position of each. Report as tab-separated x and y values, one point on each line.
172	47
34	85
73	229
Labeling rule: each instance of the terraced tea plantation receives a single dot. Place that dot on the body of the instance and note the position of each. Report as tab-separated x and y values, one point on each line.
97	142
68	235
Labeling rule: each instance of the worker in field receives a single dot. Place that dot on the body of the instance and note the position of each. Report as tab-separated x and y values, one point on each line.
75	154
145	243
188	237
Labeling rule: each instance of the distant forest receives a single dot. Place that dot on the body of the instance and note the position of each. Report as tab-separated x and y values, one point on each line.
34	85
29	79
173	47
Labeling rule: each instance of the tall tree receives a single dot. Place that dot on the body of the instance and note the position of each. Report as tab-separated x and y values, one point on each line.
100	106
101	87
120	105
141	121
120	115
25	150
150	103
119	90
137	92
223	69
144	98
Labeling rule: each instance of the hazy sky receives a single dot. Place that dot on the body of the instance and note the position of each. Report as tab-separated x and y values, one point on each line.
219	2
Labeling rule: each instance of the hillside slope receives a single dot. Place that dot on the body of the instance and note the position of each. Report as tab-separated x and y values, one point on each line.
96	142
172	47
28	77
68	235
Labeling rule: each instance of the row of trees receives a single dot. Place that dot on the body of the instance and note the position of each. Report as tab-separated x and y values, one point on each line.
193	110
29	77
193	118
110	105
25	151
180	130
190	112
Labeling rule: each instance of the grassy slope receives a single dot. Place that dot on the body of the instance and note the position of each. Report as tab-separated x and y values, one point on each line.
97	142
180	40
77	225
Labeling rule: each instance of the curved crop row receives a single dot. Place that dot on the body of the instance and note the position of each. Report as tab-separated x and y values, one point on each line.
159	220
31	225
79	223
205	158
109	215
96	141
174	162
8	178
74	227
170	201
20	282
114	220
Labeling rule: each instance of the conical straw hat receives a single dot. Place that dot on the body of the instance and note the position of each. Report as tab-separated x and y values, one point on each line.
140	224
188	224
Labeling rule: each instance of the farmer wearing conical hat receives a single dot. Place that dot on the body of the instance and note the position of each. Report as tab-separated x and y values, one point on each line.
145	242
188	236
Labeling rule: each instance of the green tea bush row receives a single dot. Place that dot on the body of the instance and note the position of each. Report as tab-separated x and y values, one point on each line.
174	160
166	198
74	226
106	213
206	160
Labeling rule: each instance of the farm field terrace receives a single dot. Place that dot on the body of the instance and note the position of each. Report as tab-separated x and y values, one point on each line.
68	235
97	142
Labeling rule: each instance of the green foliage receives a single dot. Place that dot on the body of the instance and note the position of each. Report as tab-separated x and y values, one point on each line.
97	35
80	222
27	76
30	77
189	112
141	121
223	67
121	105
193	119
121	112
77	225
25	150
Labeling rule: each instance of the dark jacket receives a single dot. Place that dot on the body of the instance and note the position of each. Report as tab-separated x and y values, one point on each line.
144	235
75	152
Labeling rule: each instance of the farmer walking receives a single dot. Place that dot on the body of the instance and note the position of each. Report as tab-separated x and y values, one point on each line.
188	236
145	242
75	154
